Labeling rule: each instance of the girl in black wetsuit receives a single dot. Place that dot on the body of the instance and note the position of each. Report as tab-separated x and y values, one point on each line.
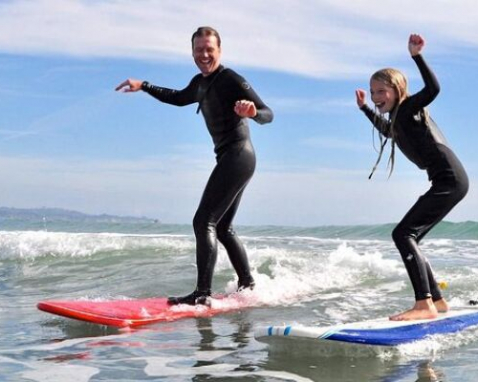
411	128
226	100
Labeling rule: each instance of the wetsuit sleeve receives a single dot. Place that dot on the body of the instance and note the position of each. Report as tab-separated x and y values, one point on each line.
378	121
431	89
264	113
183	97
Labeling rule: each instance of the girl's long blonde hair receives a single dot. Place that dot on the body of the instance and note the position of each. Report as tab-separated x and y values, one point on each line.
396	80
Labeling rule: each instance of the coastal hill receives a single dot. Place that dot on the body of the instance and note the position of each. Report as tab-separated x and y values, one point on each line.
59	214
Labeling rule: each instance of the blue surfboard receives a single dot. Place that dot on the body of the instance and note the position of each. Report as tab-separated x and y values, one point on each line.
379	332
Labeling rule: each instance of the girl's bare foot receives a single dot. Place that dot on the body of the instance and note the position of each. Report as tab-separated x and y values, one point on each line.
423	310
442	306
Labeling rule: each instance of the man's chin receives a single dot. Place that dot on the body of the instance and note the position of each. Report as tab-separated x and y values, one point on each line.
207	70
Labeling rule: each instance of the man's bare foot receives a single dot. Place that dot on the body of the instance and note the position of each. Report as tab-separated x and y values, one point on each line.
442	306
423	310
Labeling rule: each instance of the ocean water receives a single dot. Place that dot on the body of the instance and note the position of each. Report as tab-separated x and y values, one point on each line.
307	276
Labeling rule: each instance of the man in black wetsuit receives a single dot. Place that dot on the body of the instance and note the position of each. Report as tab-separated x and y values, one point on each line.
226	100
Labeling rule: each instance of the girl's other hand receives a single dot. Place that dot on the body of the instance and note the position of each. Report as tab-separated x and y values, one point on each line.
361	96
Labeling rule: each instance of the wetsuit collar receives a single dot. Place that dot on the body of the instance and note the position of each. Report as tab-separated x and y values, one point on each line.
219	69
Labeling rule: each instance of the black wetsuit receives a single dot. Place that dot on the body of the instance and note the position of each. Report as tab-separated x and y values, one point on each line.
421	142
235	157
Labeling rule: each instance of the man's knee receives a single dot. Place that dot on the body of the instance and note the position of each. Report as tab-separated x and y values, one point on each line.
201	223
225	233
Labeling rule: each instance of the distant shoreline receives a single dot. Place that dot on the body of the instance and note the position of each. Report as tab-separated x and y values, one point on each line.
62	220
39	214
53	213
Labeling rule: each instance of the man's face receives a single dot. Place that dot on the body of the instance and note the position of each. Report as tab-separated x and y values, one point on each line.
207	54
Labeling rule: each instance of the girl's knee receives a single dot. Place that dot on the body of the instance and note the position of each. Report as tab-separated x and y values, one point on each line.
459	188
398	234
462	189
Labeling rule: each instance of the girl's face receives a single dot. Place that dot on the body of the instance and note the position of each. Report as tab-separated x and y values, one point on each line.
384	96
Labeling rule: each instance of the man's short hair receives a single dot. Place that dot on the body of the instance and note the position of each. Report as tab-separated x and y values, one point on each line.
206	31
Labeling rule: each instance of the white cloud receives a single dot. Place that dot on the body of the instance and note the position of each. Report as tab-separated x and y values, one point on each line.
451	20
310	197
170	189
326	38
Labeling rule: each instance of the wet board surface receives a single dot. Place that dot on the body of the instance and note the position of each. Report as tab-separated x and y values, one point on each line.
380	332
136	312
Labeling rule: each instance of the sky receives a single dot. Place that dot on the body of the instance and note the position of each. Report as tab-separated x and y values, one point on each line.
68	140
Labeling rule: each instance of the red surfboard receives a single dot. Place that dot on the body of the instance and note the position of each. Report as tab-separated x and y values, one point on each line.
131	313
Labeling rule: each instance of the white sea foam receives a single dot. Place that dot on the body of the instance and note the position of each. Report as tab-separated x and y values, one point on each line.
33	244
435	345
302	275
